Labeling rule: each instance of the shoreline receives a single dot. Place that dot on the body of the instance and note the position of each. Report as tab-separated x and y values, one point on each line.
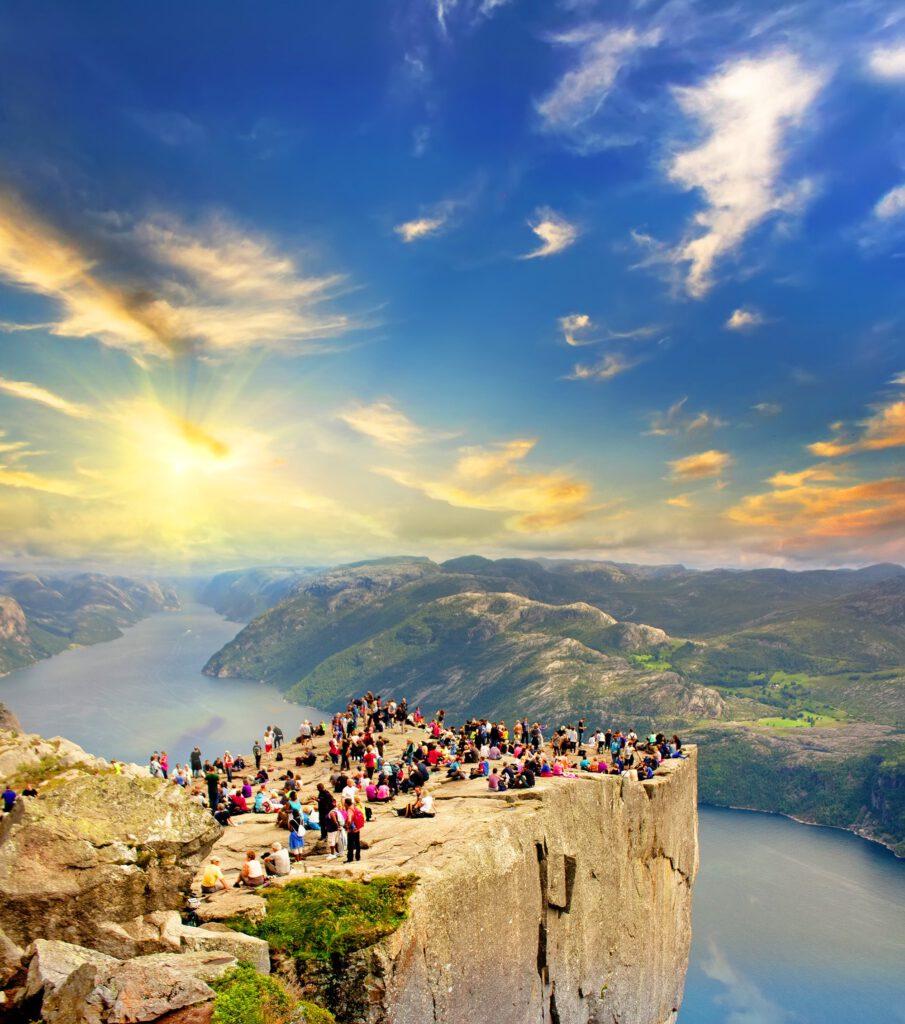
861	834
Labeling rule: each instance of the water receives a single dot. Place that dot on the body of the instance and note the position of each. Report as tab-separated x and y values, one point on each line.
793	925
145	691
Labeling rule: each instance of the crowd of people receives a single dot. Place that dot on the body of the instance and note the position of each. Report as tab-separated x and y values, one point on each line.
361	773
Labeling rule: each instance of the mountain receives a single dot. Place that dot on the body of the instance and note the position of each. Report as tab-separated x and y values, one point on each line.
473	652
793	682
43	615
243	594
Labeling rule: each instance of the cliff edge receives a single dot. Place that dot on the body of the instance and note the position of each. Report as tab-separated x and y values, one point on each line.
571	903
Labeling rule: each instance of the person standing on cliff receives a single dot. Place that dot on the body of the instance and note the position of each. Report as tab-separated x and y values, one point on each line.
256	750
355	822
212	778
195	762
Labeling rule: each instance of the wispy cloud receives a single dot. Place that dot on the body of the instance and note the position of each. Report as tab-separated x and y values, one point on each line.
384	423
888	62
678	420
891	205
555	233
700	465
812	507
610	366
420	227
35	393
211	289
743	319
884	429
578	330
493	478
602	53
767	408
680	501
746	111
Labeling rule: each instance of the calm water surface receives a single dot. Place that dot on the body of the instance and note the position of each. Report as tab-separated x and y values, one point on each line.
145	692
793	925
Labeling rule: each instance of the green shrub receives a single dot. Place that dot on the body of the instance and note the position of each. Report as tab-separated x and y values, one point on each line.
311	1013
246	997
319	918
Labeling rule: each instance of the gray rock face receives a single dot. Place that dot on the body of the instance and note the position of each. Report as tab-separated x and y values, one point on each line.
125	992
94	849
220	939
589	887
52	962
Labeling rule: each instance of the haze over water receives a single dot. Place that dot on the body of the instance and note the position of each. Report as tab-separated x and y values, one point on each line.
792	924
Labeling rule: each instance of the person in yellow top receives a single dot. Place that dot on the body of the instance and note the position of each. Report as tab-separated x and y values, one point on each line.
212	877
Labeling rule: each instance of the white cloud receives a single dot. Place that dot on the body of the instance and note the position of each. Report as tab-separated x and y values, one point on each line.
744	319
746	111
210	288
576	324
42	396
679	420
767	408
609	366
555	233
700	465
421	227
384	423
888	62
891	205
602	53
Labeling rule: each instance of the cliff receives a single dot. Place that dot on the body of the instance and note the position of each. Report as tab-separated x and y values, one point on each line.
572	904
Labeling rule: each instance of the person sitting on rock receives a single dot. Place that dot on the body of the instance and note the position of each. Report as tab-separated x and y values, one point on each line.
9	798
30	790
421	807
212	879
222	814
252	874
277	862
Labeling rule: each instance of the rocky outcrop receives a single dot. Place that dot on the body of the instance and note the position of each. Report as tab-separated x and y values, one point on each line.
567	903
8	720
95	849
132	991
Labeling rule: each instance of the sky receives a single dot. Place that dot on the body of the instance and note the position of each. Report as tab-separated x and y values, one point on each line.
307	283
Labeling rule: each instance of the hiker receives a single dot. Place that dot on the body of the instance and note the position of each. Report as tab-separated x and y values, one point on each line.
195	762
212	778
325	804
277	862
277	737
355	821
257	751
296	835
252	874
9	799
268	739
212	879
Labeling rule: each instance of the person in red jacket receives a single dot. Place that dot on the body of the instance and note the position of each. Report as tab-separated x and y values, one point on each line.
355	822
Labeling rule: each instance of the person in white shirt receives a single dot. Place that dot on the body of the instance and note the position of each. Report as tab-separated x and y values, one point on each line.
252	874
277	861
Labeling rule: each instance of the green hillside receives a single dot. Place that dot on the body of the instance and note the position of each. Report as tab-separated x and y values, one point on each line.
799	676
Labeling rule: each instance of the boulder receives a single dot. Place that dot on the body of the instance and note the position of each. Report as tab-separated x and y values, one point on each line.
131	992
12	958
157	932
206	966
99	847
218	938
52	962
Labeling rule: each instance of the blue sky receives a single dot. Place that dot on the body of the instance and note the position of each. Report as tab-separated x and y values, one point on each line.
296	282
